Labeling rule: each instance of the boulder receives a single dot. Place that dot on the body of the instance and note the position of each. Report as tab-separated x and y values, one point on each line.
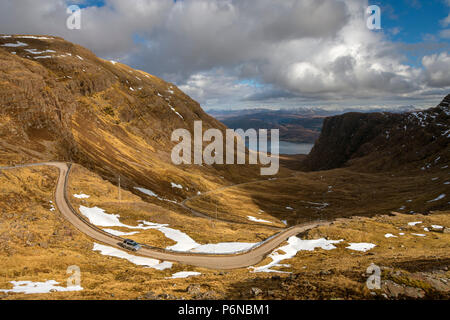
194	289
256	291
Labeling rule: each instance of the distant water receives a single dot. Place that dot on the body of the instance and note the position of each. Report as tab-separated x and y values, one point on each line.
291	148
295	148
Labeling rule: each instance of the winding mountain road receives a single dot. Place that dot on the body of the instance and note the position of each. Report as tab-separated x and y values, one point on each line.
218	262
203	215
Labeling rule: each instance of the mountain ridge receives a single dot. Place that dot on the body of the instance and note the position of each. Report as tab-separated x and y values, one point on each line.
60	102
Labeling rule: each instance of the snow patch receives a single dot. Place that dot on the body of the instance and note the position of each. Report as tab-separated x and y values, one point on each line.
184	274
389	235
100	218
363	247
176	112
290	250
184	243
81	196
139	261
33	51
257	220
152	194
33	37
147	192
15	45
174	185
442	196
412	224
29	287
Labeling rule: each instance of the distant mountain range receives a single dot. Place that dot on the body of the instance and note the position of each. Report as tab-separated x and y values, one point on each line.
221	114
299	125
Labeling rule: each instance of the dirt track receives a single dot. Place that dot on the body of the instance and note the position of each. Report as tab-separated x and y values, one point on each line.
220	262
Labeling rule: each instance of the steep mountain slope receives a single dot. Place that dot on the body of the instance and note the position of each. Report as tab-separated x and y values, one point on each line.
60	102
383	141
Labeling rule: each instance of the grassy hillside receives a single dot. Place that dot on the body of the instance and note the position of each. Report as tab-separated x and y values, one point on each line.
37	244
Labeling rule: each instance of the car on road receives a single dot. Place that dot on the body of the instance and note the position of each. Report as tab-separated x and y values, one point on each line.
130	245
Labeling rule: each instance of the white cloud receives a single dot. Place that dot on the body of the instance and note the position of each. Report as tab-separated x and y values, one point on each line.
211	87
296	49
437	69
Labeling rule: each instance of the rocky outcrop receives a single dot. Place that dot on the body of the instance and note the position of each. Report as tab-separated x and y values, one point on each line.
381	141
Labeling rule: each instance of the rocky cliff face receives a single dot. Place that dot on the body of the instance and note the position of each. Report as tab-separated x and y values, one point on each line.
58	101
381	141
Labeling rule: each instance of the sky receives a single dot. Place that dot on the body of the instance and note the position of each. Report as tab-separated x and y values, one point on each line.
234	54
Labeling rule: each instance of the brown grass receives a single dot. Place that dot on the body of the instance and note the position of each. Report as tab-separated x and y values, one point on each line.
352	193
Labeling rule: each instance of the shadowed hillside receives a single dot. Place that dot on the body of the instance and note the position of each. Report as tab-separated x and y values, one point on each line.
378	141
